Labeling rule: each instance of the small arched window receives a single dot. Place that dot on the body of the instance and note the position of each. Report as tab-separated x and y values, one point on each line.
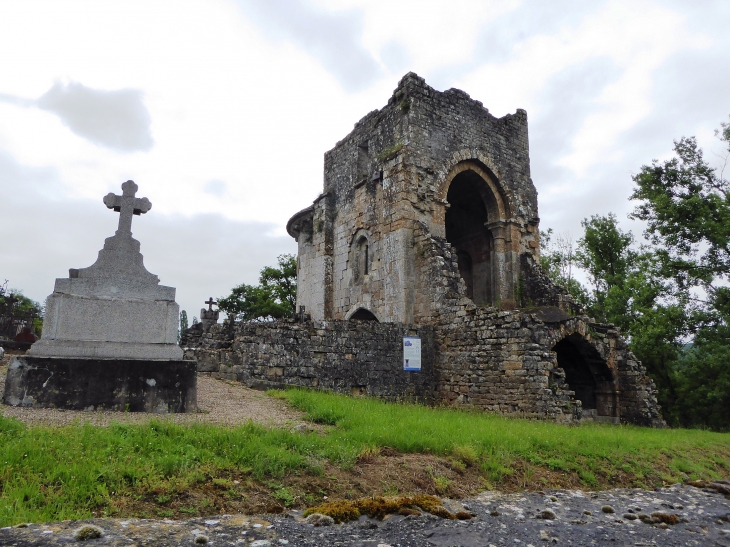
362	258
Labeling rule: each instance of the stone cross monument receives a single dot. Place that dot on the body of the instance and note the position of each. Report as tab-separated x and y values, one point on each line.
210	316
127	205
109	334
114	308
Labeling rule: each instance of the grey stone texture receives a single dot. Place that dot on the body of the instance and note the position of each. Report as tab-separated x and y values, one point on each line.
114	309
358	358
702	518
95	384
388	183
428	222
209	317
473	357
109	335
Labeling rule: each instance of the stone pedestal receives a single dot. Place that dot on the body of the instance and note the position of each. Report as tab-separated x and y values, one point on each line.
98	384
109	334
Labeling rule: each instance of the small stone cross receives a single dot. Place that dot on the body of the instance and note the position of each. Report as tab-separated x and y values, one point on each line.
210	303
127	205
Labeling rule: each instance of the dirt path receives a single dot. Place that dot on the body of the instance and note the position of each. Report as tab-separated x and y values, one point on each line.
219	401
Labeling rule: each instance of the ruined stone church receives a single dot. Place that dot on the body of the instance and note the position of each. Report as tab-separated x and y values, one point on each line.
427	226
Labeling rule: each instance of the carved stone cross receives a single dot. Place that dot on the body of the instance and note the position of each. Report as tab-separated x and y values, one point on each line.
127	205
210	303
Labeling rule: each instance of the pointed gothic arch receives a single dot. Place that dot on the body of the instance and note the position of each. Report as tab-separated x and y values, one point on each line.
360	313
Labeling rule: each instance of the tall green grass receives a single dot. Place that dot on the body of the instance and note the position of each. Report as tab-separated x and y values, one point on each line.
67	473
494	442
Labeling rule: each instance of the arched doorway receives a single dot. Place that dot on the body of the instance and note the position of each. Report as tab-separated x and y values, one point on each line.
588	375
466	230
363	315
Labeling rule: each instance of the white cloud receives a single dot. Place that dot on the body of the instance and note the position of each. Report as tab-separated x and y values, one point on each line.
637	36
242	107
117	119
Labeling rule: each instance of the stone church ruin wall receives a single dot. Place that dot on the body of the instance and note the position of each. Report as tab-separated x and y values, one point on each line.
428	226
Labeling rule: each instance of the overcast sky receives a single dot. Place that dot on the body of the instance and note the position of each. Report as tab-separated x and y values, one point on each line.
221	111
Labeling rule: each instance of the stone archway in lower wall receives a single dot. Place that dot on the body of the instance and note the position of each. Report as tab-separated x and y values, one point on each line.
588	374
362	314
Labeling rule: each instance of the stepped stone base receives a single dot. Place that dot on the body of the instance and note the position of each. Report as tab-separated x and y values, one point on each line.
102	384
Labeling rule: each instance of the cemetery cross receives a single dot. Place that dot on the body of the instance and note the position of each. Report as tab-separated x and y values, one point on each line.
127	205
210	303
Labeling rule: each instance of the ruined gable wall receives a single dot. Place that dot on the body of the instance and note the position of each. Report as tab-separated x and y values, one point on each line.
417	142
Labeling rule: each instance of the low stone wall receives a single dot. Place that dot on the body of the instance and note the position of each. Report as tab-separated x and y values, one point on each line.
489	359
499	361
353	357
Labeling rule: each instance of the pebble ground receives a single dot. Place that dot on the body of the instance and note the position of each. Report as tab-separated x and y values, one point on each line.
574	518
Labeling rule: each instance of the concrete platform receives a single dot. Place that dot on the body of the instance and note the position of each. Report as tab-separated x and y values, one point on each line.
94	384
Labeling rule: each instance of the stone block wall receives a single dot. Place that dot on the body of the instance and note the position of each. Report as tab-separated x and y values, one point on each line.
473	357
506	362
387	183
361	358
489	359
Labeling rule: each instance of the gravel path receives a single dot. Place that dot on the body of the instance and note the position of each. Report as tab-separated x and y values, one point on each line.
516	520
219	402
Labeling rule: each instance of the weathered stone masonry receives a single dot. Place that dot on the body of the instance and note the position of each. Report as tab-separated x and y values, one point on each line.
499	361
428	226
429	164
342	356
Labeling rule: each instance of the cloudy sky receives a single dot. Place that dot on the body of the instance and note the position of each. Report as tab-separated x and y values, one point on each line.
221	111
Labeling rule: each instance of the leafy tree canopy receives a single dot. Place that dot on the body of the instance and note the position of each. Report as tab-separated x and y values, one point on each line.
671	297
686	205
21	303
273	298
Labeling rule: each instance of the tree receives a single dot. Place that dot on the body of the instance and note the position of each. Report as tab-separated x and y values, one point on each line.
686	205
273	298
557	259
605	251
14	303
183	325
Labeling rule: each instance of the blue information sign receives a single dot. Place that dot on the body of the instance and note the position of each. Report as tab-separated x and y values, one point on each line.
411	353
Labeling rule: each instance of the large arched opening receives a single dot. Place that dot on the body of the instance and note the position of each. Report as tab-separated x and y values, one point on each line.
472	207
588	375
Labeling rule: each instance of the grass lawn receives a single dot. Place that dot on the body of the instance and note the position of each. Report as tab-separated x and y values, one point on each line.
174	471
